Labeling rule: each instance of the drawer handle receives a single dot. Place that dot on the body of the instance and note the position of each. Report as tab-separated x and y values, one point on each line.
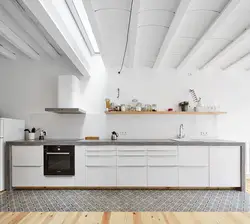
57	153
192	165
131	165
101	150
100	166
162	155
130	150
27	165
129	155
101	155
162	165
160	150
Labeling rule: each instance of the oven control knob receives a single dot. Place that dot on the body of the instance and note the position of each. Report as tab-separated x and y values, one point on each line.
58	149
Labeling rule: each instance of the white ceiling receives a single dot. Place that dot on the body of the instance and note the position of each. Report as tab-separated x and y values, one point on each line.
162	33
172	33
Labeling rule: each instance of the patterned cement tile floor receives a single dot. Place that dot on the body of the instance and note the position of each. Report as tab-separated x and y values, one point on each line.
124	200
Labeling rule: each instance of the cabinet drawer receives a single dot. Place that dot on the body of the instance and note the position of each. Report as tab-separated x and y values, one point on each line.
100	176
27	156
27	176
101	160
99	151
163	176
131	160
193	177
162	160
131	151
161	150
193	155
132	176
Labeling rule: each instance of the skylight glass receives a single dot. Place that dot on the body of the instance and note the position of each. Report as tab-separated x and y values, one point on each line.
84	18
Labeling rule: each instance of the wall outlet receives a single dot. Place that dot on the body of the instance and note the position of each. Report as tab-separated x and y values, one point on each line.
204	133
122	133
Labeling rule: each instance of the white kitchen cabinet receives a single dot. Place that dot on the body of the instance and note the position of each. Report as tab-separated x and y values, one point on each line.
162	176
193	177
59	181
131	166
193	155
27	177
131	176
101	166
27	156
225	166
100	176
80	173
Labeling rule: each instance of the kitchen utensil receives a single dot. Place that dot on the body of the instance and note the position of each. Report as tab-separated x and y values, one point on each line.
114	135
193	95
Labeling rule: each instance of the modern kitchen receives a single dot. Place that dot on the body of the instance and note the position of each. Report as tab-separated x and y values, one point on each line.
138	107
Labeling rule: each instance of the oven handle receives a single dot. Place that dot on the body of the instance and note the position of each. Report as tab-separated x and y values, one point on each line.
57	153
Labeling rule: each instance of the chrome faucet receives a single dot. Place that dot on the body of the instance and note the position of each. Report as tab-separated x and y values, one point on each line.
181	132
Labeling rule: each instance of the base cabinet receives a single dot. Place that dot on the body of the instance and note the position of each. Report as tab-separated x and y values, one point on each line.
225	166
193	177
162	176
131	176
182	166
100	176
27	177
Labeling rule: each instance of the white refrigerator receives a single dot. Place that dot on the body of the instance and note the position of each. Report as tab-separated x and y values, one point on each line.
10	130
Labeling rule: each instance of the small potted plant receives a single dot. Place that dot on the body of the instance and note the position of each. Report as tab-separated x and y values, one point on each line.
184	106
31	133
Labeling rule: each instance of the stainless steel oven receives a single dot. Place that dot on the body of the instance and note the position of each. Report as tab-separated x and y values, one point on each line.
59	160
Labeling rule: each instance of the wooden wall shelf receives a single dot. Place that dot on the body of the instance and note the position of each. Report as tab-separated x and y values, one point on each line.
164	112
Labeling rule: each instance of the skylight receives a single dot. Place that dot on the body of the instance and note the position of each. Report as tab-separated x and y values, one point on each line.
77	10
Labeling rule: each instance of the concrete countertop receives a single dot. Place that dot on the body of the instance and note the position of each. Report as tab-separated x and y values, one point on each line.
132	142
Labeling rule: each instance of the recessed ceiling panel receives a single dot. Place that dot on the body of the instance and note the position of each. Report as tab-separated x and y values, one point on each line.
110	4
196	23
173	60
238	21
170	5
182	46
235	53
148	43
210	48
152	17
113	31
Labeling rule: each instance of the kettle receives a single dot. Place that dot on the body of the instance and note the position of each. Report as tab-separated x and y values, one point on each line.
114	135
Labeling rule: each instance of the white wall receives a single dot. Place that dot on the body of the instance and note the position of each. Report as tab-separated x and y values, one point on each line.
27	87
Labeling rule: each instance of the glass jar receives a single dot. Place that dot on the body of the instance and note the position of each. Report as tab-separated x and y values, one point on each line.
123	108
148	107
138	107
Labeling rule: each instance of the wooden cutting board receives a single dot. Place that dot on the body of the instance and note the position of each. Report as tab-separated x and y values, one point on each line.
92	138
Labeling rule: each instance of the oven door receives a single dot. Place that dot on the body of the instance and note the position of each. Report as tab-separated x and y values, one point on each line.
59	161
